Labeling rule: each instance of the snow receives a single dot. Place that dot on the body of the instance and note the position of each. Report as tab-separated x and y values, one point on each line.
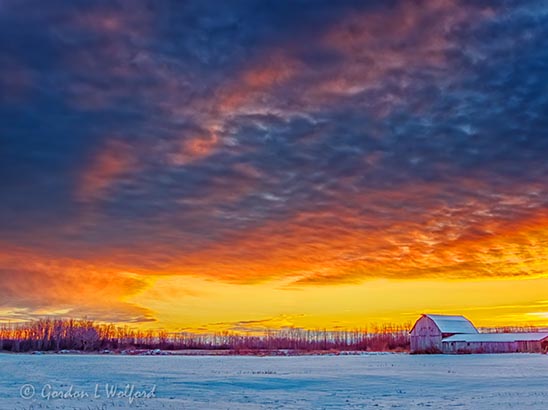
375	381
453	324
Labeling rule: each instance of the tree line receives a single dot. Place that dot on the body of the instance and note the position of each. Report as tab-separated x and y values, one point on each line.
86	335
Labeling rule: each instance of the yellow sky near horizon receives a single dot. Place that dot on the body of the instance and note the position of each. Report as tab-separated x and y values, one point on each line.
194	304
179	303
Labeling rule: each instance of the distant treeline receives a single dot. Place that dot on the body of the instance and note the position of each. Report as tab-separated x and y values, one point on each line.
86	335
512	329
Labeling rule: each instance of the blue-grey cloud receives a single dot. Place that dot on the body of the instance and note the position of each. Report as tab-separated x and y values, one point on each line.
154	132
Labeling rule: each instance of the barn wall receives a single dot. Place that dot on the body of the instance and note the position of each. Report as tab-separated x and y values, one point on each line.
425	337
530	346
492	347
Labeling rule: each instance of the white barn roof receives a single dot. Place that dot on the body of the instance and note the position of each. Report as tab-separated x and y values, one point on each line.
453	324
497	337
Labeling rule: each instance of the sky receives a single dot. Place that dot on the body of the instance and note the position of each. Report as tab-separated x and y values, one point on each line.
247	164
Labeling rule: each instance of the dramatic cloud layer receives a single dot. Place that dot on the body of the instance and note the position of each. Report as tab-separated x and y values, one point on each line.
302	143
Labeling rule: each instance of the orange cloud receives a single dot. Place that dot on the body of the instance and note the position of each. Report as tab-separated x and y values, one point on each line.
133	19
380	46
111	164
247	91
424	236
257	80
41	283
376	46
412	232
277	69
195	148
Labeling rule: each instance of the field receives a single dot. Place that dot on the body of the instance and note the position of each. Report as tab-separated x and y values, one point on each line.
367	381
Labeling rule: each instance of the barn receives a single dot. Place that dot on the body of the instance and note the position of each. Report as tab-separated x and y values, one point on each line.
429	331
456	334
496	343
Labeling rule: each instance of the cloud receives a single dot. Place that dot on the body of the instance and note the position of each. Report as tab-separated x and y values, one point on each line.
15	80
39	285
255	326
193	149
314	144
116	160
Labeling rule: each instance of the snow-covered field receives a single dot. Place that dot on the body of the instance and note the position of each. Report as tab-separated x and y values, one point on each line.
511	381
